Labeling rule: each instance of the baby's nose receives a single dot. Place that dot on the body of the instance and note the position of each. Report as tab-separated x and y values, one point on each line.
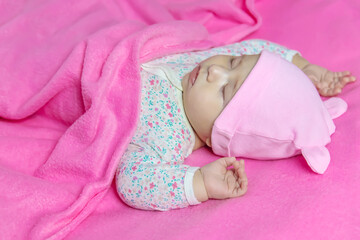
217	73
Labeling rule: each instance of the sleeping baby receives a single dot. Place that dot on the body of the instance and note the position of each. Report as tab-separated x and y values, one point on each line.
253	99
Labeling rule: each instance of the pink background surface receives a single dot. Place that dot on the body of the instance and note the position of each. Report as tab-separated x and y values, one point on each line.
285	199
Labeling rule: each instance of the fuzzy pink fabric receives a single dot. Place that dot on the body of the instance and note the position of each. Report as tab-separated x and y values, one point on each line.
285	200
69	98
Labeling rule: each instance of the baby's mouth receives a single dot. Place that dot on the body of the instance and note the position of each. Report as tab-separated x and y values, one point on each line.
194	74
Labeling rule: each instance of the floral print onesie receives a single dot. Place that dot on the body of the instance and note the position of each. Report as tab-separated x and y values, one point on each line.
151	174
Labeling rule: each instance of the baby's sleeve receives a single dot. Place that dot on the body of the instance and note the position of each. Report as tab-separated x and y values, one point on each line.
255	46
146	181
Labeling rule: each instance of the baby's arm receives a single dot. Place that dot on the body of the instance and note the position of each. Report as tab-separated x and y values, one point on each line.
150	184
328	83
145	180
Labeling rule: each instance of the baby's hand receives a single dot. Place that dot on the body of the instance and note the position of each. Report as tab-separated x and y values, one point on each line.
328	83
222	183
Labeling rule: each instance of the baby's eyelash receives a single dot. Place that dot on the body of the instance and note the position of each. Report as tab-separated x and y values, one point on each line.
232	62
223	91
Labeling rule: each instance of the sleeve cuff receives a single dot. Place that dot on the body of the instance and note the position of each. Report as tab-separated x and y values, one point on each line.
188	185
290	54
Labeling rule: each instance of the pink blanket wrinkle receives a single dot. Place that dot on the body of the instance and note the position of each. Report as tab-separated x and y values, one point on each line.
69	96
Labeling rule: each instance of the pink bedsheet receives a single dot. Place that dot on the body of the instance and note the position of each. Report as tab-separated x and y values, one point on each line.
285	199
69	96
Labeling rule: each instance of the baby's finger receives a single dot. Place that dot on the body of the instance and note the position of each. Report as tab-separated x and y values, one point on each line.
239	191
236	166
336	91
237	185
342	82
228	161
241	181
326	92
241	165
346	73
347	79
242	175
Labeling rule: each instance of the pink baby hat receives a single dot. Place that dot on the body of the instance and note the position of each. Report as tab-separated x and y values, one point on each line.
277	113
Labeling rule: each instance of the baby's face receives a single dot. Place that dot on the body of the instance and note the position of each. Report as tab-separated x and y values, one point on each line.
210	86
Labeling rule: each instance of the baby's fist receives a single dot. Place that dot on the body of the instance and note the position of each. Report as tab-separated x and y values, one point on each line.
222	183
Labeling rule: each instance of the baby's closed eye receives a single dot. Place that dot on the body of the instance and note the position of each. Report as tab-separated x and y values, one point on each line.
235	61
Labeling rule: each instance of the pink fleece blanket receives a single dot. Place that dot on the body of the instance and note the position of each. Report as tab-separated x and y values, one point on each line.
64	68
285	200
69	98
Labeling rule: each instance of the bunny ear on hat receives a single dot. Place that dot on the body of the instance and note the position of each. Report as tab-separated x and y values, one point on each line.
318	158
335	106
